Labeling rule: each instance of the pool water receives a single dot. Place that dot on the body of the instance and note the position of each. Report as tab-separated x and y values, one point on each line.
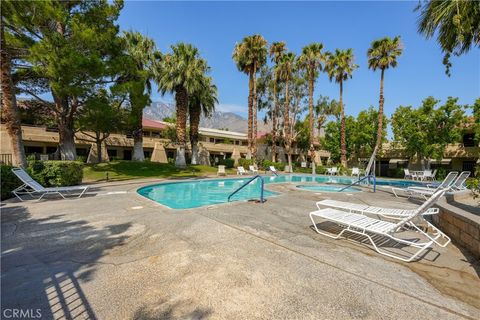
327	188
193	194
198	193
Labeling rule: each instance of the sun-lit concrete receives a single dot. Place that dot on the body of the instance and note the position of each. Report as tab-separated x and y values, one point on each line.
116	255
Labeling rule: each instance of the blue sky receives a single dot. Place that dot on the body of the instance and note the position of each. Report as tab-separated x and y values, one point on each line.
215	27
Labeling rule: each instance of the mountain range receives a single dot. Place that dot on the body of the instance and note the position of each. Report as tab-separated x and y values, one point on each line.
219	120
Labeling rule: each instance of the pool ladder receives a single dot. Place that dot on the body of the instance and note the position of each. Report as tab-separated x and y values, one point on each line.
262	199
362	179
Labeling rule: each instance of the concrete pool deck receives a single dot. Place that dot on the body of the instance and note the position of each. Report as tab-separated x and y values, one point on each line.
116	255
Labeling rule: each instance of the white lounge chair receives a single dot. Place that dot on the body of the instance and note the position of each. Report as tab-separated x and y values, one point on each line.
429	189
252	169
355	172
221	171
459	183
332	171
272	168
408	175
369	227
241	171
32	187
391	213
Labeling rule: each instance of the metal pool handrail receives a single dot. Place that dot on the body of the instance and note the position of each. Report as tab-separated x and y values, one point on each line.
262	200
360	180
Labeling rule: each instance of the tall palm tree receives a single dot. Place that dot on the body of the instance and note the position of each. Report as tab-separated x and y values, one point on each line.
10	111
141	50
277	50
456	24
286	68
181	72
382	55
340	67
250	55
202	101
311	60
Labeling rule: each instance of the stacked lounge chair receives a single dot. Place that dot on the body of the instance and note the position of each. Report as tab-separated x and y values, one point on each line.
371	228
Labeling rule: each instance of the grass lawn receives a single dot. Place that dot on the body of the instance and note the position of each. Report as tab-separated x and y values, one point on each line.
124	170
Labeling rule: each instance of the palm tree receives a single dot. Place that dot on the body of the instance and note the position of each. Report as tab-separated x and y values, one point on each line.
277	50
456	23
340	67
382	55
311	61
202	101
181	72
141	50
286	68
10	112
250	55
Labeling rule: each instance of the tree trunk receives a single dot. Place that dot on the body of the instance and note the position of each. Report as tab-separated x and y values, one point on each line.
343	144
254	116
274	122
138	154
311	83
380	113
289	157
286	128
99	147
194	112
181	100
250	112
66	132
10	110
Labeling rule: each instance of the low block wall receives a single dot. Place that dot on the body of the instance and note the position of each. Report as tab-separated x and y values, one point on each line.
462	226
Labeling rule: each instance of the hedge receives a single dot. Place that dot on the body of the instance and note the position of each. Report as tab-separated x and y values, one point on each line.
56	173
9	181
228	163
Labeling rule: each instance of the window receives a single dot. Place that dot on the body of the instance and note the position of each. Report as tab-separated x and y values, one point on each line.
468	166
146	133
156	134
219	141
30	150
82	152
212	140
469	140
112	153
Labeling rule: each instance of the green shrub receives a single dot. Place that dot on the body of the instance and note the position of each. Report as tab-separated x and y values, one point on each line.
8	181
242	162
441	174
265	165
56	173
228	163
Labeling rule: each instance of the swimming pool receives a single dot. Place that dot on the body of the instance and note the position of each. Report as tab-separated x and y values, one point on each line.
198	193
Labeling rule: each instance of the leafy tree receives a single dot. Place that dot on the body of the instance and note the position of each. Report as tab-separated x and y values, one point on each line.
140	54
361	132
70	46
456	23
311	60
250	55
10	110
100	116
476	120
324	109
366	131
276	51
332	139
181	72
202	101
413	128
340	67
382	55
